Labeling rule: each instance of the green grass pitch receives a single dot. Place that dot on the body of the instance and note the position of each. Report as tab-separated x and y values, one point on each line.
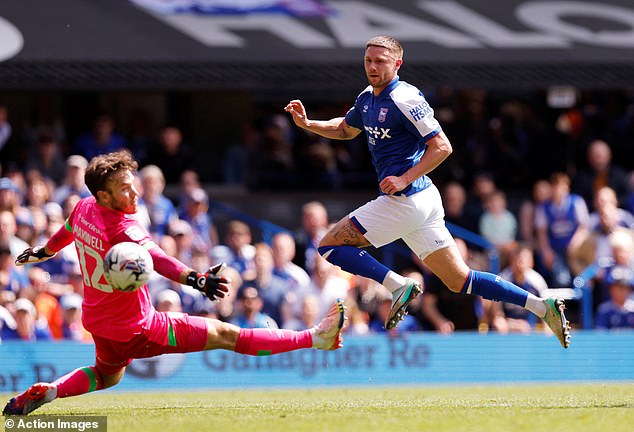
534	407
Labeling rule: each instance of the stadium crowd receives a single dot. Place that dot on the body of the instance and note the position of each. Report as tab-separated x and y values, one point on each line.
551	211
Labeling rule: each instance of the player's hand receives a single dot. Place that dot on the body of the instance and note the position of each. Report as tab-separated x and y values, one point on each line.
35	254
212	284
393	184
297	110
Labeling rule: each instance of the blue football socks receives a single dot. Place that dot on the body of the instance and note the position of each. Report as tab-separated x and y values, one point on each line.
493	287
355	260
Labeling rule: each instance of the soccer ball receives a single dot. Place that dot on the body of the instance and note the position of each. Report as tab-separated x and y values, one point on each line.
127	266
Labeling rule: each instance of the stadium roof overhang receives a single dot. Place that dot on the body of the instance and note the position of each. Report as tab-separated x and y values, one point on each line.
130	44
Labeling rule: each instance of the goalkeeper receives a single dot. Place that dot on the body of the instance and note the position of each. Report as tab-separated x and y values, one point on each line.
125	325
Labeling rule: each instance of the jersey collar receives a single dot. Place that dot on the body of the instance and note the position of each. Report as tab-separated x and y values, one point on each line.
388	89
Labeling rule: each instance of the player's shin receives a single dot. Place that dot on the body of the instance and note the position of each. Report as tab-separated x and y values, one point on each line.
493	287
83	380
355	260
262	341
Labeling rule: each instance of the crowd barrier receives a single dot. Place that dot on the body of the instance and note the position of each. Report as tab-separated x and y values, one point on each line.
413	359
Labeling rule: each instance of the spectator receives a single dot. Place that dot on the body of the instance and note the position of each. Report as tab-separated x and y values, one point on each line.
240	158
168	301
271	289
47	159
561	223
25	224
181	232
621	244
12	278
9	195
102	139
74	181
38	192
275	165
72	328
237	250
171	154
595	243
161	210
541	192
283	247
189	181
296	278
483	186
28	327
606	197
327	283
618	311
196	212
8	231
138	134
68	203
522	273
314	225
318	168
601	172
7	322
498	225
309	315
250	313
44	295
454	200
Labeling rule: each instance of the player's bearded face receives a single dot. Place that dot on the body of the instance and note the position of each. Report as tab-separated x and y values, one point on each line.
380	66
123	195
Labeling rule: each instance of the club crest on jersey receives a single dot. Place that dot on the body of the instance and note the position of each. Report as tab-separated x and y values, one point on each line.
382	115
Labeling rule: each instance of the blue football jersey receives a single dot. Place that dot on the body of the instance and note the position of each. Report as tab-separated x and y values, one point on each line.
397	124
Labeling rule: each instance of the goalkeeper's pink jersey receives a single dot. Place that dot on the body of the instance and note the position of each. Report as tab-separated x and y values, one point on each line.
106	312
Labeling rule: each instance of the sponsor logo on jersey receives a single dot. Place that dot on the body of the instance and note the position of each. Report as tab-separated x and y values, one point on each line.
375	133
420	111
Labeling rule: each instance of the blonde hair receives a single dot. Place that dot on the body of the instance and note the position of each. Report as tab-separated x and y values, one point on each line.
387	42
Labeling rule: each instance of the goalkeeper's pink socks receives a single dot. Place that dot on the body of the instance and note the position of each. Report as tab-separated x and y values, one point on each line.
79	381
263	341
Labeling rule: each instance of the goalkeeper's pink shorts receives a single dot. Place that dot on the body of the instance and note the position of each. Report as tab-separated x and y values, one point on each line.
169	332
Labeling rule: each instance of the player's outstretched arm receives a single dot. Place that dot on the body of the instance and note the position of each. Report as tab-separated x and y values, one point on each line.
211	283
335	128
62	238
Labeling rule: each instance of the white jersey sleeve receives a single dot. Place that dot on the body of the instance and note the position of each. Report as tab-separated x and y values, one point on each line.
411	102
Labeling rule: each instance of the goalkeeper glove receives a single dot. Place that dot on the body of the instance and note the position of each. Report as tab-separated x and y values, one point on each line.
35	254
211	283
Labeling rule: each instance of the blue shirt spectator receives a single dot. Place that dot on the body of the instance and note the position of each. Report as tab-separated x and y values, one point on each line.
102	139
618	311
